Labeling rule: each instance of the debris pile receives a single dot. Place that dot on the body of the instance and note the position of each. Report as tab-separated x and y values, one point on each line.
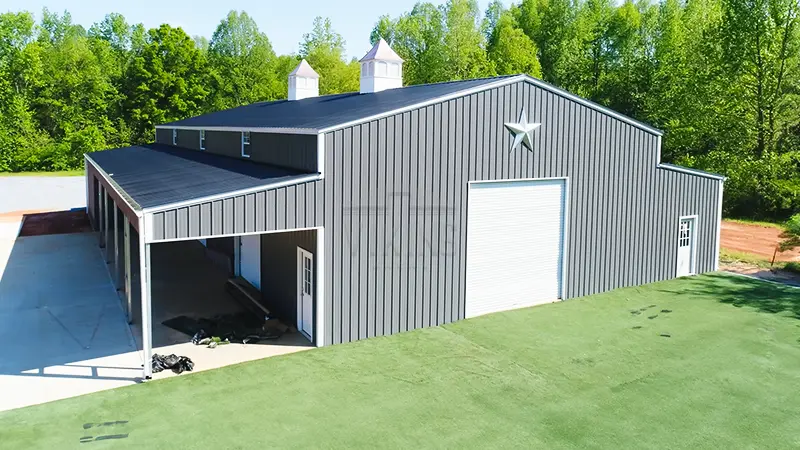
178	364
243	328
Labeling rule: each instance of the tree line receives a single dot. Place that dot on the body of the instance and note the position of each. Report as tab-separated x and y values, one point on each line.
720	77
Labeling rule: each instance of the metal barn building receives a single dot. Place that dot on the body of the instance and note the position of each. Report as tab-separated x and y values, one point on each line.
394	208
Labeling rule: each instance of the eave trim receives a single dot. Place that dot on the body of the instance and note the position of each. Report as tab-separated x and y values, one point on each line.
135	207
274	130
689	171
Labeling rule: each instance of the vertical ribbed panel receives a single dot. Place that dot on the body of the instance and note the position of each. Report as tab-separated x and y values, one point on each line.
397	187
393	205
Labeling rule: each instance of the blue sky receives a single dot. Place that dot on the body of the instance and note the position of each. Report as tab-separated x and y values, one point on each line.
283	21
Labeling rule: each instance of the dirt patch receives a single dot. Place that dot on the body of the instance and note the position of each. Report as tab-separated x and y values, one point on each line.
777	275
58	222
755	239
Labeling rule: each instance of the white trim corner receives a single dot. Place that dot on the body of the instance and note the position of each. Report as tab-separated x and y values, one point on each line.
718	237
689	171
565	239
321	155
319	301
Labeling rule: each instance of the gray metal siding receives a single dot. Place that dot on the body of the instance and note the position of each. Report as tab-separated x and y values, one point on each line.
279	282
397	190
394	206
267	210
189	139
293	151
163	136
226	143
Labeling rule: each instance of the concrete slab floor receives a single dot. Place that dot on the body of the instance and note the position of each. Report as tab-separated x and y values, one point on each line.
63	325
62	328
186	282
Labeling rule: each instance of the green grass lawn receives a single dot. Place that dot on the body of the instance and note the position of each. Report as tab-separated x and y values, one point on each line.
705	362
61	173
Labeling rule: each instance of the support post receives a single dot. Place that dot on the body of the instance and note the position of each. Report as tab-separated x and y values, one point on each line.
88	179
100	208
147	319
237	256
127	252
105	224
319	261
117	281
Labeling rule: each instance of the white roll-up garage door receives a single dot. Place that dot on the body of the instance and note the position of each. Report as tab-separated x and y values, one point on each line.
515	237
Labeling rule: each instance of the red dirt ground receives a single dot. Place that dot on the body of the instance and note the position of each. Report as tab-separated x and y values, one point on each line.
755	239
58	222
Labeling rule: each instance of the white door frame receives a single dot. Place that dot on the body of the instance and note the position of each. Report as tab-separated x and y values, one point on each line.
303	253
694	218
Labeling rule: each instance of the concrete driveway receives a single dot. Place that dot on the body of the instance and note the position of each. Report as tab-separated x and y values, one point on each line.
62	330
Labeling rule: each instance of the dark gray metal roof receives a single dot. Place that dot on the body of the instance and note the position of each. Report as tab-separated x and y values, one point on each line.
329	110
155	175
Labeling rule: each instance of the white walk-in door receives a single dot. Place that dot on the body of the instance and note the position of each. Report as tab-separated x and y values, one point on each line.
515	238
686	246
305	289
250	254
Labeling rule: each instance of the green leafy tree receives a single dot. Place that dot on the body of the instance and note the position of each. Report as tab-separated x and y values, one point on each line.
791	236
761	45
165	81
418	37
114	30
71	101
323	48
628	80
243	63
21	142
551	24
491	18
465	54
511	50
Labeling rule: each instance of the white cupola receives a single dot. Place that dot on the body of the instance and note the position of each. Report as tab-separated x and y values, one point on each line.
381	69
303	82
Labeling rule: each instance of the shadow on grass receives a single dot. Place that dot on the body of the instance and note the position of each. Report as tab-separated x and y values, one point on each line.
742	291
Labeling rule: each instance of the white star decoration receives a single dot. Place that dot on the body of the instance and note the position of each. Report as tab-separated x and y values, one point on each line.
522	131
